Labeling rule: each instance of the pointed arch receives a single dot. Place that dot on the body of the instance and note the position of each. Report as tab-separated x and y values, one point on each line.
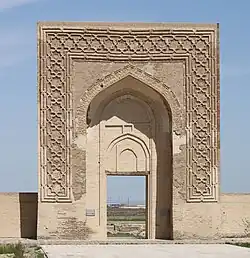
132	138
167	94
141	150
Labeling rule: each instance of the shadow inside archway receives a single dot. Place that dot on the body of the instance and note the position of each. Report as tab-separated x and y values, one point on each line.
130	101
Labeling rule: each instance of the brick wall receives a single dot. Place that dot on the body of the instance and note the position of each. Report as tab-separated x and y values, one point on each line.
18	215
229	218
235	215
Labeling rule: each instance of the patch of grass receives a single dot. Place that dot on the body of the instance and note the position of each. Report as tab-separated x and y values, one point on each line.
119	235
126	214
20	251
38	252
39	255
126	218
17	249
124	235
247	245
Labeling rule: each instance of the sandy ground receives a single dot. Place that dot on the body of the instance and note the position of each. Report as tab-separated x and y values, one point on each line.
147	251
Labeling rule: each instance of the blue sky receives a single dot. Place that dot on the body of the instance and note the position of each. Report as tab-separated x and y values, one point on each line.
18	133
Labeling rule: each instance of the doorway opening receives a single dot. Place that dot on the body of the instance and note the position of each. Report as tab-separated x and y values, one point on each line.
127	207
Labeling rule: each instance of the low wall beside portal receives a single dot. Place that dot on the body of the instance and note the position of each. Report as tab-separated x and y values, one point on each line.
228	218
18	215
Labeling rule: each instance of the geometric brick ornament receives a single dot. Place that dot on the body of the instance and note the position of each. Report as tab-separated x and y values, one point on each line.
195	47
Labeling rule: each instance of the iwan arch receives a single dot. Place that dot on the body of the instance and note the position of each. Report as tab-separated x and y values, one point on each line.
130	128
128	99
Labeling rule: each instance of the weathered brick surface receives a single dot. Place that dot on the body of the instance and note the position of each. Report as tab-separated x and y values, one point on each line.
148	91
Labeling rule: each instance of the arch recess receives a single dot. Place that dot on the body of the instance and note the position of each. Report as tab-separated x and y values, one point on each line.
154	83
138	148
118	98
132	138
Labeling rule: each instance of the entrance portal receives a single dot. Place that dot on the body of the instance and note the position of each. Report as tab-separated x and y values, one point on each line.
128	98
130	132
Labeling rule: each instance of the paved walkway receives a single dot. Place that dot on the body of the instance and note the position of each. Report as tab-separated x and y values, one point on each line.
147	251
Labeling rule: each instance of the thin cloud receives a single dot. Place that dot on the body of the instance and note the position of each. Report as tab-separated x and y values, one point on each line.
7	4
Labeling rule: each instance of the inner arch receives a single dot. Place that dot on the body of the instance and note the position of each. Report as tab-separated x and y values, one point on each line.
121	113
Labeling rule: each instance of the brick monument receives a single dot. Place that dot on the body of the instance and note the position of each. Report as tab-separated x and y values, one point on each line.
128	99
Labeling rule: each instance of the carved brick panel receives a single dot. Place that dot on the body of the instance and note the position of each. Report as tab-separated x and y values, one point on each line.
196	46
